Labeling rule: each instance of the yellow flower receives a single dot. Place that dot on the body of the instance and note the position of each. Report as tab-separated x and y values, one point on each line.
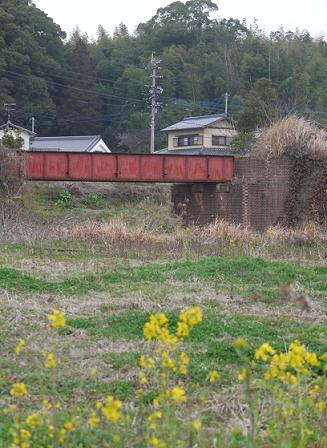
177	394
154	441
57	319
111	409
196	425
213	376
51	431
46	405
153	419
321	405
232	242
143	379
98	405
18	390
168	362
191	316
242	375
34	420
241	343
93	372
146	362
184	362
182	330
21	344
93	419
49	360
21	438
314	390
10	409
264	351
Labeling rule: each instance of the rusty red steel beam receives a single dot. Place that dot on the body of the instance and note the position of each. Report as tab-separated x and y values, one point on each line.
96	167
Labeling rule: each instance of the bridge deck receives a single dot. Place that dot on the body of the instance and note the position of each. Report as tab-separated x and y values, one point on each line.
97	167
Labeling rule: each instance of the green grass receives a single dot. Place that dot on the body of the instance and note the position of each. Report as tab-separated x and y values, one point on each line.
212	340
255	277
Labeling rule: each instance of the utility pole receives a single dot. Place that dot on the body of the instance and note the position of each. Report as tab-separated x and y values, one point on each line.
155	91
9	107
227	95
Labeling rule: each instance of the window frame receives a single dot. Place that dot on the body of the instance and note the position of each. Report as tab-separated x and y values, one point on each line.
219	137
188	140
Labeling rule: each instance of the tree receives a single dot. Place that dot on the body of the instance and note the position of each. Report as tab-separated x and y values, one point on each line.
12	139
31	57
259	106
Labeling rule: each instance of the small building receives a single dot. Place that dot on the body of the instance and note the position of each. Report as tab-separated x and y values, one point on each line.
84	143
204	134
25	134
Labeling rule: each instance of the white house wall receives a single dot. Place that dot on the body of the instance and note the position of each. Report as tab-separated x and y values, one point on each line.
100	147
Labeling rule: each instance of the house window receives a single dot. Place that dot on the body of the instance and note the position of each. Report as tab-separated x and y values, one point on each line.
189	140
219	140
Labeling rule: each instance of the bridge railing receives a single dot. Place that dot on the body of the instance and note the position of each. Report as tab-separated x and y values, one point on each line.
98	167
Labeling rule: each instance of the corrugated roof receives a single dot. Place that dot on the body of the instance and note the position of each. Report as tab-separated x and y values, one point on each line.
202	121
197	152
68	143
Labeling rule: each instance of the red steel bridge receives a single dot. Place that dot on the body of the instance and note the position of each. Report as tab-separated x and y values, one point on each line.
99	167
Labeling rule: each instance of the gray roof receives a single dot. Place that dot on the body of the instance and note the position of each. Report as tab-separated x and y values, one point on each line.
69	143
201	121
197	152
9	124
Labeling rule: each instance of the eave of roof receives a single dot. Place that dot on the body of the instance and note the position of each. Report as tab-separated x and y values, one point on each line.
15	126
199	122
87	143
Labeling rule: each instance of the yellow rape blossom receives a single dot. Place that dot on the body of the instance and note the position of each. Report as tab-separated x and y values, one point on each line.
213	376
153	418
242	375
34	420
93	419
111	409
321	405
49	360
183	330
57	319
184	362
264	352
21	344
18	390
191	316
196	425
177	394
46	405
147	362
241	343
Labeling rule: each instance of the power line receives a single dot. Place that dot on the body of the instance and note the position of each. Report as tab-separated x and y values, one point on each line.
72	87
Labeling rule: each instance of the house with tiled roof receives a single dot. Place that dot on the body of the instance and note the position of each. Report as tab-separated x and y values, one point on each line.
204	134
79	143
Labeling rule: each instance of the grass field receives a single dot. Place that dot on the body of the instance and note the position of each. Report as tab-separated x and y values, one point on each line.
109	291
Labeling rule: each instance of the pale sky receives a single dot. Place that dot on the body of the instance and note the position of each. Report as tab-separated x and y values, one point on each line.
291	14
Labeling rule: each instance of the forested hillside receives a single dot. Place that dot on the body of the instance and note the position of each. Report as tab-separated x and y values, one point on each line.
77	85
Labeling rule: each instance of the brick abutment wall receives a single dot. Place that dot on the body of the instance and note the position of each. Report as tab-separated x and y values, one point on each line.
257	197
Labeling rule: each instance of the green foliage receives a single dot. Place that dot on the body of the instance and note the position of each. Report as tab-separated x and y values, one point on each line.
93	200
83	87
12	139
65	200
242	141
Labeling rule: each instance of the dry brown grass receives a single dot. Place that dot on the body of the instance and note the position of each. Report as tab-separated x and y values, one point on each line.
292	137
